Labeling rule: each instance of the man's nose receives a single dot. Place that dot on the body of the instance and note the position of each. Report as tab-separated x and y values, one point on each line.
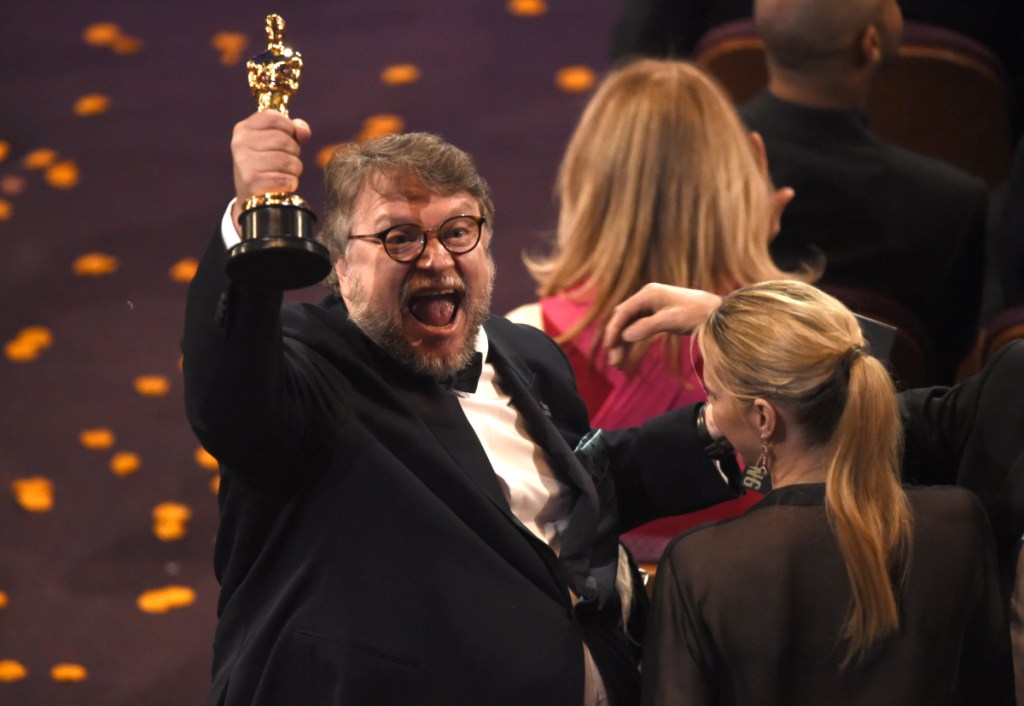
435	256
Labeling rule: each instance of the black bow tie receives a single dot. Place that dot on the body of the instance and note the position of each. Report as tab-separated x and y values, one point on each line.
466	379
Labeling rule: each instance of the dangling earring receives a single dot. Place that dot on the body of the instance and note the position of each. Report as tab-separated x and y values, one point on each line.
760	468
755	475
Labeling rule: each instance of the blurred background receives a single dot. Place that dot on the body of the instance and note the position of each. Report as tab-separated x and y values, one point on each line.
115	121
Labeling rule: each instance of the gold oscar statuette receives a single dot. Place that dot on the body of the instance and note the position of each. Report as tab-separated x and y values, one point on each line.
278	250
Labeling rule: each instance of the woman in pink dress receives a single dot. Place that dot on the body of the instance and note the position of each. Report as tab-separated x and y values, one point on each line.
660	183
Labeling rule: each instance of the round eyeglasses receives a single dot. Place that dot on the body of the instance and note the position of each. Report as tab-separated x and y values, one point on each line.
407	241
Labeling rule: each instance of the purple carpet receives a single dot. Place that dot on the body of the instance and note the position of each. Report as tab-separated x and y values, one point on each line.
115	121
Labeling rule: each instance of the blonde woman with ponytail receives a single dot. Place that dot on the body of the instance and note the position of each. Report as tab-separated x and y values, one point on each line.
841	586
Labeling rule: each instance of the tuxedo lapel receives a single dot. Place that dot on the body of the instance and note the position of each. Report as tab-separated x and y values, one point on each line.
440	411
581	535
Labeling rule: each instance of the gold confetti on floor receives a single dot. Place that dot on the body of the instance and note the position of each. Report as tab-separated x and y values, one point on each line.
125	45
101	34
230	45
325	153
205	459
380	125
28	344
63	174
400	74
33	494
166	599
68	672
184	270
109	34
39	158
37	336
527	8
152	385
12	670
170	521
575	79
91	104
12	185
24	349
95	264
96	438
125	463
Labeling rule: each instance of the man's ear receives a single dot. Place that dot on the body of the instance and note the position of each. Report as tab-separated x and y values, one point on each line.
341	270
781	197
870	46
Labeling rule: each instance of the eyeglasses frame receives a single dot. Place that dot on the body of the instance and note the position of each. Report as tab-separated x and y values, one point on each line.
424	236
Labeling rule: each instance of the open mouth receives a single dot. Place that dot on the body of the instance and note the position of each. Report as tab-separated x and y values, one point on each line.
436	309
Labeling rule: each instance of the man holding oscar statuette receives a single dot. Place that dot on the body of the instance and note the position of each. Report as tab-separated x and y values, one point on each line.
413	508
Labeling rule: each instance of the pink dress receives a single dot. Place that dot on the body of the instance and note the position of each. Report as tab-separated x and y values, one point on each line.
615	400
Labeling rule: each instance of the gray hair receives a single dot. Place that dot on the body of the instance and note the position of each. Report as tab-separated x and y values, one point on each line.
414	161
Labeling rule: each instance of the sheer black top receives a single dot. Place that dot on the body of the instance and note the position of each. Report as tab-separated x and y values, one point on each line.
749	611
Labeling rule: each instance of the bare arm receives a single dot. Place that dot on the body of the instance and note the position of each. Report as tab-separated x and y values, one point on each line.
656	308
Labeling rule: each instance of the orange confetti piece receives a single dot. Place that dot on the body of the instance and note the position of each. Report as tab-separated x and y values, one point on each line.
68	672
184	270
527	8
325	154
28	344
172	512
5	149
125	463
91	104
205	459
575	79
12	185
37	335
33	494
12	670
163	600
63	175
109	34
95	264
400	74
125	45
19	351
100	34
380	125
230	45
6	210
4	601
40	158
96	439
152	385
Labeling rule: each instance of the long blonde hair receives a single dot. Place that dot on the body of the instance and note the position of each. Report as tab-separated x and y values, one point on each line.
803	351
659	183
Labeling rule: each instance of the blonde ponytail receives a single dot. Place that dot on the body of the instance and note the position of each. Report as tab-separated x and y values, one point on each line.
796	346
866	505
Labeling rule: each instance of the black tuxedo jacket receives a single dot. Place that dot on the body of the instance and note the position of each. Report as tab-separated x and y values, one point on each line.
973	435
887	219
366	553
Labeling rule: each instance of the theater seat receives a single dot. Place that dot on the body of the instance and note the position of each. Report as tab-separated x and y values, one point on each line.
1007	326
909	359
946	97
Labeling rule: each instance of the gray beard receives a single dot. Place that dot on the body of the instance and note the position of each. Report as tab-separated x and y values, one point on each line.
385	329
